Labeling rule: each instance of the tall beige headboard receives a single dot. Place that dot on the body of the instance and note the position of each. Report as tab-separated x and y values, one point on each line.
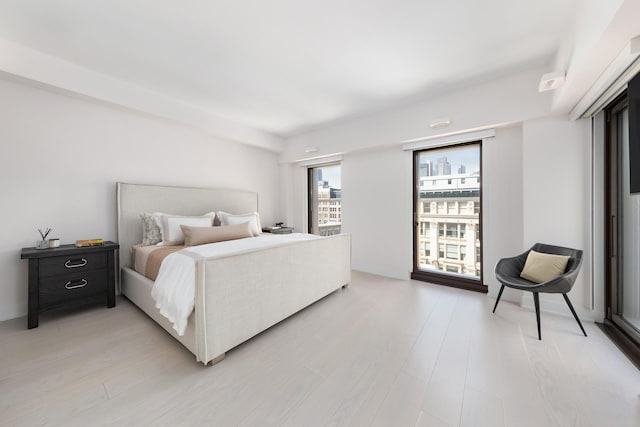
134	199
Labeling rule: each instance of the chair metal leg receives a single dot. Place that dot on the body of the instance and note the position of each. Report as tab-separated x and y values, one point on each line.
498	299
566	298
536	302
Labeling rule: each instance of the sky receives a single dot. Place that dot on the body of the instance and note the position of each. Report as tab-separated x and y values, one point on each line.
331	174
468	155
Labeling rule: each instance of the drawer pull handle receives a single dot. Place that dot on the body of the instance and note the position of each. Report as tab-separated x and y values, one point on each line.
78	284
82	263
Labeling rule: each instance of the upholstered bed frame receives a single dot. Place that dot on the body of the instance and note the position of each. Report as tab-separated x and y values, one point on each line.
237	296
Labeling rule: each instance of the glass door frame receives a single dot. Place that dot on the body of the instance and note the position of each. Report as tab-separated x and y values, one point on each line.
625	336
455	281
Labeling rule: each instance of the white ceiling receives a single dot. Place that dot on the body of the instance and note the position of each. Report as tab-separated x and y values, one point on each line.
285	66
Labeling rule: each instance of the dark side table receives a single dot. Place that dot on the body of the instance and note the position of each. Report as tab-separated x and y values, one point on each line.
68	275
279	230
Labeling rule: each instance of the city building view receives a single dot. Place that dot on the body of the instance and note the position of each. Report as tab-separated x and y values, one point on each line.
329	201
448	211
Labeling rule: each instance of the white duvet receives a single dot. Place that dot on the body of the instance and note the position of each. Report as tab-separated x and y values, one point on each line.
175	287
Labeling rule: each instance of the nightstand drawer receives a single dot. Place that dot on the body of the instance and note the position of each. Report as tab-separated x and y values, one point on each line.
57	289
72	263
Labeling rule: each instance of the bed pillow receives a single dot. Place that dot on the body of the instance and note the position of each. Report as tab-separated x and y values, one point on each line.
150	230
252	218
202	235
170	226
541	267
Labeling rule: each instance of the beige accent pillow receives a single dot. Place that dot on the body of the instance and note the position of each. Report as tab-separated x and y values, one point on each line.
541	267
201	235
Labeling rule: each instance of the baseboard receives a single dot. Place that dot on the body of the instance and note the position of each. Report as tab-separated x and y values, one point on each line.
560	308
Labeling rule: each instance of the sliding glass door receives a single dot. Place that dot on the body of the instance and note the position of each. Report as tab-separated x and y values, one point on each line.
447	216
623	227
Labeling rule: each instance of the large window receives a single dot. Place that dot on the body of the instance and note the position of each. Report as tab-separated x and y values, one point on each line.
325	200
448	180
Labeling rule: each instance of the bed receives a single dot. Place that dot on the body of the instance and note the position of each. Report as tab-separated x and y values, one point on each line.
239	295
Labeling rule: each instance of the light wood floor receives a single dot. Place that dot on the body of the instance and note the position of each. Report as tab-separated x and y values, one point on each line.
382	352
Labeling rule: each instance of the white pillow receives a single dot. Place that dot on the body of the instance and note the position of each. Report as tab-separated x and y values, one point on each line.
170	226
252	218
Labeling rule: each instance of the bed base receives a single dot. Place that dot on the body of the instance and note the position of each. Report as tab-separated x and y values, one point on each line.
237	296
241	295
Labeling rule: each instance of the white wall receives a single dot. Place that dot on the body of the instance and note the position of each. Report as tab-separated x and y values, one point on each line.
556	181
502	204
377	210
511	99
293	186
377	206
377	174
61	157
536	179
53	72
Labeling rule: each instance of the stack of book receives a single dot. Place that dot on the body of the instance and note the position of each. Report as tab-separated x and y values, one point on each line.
90	242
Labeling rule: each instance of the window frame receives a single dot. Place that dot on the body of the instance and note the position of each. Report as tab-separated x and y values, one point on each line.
312	194
442	278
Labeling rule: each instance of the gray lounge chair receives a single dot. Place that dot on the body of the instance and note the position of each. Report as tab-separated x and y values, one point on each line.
508	274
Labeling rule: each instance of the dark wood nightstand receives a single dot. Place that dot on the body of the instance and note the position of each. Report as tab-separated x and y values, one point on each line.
69	275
